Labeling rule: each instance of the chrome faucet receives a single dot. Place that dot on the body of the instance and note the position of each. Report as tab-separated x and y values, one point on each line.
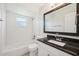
58	38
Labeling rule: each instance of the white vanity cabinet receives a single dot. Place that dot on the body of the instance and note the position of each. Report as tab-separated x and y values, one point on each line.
42	49
46	50
56	52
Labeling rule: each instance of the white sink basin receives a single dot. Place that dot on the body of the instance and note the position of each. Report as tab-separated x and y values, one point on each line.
57	43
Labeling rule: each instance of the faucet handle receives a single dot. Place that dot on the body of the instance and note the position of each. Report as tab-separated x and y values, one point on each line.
59	38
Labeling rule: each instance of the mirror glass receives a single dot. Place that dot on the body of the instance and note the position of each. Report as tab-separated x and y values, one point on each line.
62	20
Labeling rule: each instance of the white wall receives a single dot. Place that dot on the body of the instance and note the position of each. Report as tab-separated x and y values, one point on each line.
37	28
37	25
17	49
38	22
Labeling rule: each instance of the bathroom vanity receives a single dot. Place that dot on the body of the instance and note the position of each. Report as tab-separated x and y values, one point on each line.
62	20
51	46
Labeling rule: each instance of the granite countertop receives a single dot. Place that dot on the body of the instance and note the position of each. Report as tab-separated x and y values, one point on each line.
68	48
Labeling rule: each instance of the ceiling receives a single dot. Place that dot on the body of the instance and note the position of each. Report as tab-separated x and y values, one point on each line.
33	6
30	6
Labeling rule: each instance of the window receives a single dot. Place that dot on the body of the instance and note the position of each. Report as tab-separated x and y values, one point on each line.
20	21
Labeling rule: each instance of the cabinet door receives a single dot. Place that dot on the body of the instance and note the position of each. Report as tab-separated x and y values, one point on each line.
42	49
56	52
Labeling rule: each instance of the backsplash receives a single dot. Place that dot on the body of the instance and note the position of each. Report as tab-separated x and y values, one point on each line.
64	39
